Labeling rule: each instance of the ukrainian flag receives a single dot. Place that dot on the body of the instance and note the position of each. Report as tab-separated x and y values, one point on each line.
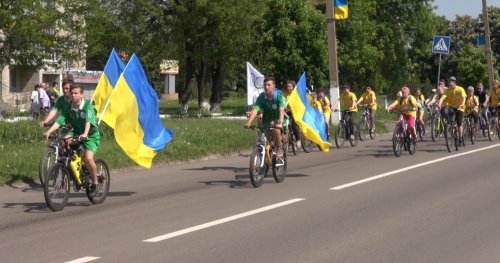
114	67
138	128
311	121
341	9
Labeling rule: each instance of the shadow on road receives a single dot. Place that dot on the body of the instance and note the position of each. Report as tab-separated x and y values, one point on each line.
218	168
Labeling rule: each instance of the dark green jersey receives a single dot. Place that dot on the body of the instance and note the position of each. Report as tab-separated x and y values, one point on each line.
62	104
270	106
77	117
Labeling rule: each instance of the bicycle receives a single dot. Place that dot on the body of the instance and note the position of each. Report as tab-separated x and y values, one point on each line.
470	129
264	156
365	123
451	131
50	155
402	138
71	170
437	124
343	131
494	124
484	117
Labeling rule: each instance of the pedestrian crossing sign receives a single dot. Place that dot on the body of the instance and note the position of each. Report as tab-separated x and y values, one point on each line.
441	44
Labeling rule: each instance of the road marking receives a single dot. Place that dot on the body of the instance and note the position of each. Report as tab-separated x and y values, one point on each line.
340	187
221	221
83	260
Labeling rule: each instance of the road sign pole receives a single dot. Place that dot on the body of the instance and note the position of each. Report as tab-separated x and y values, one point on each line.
439	70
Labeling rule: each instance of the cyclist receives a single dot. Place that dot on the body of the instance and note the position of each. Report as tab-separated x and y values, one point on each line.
408	106
326	108
494	99
472	104
455	98
62	104
349	107
272	103
438	94
81	116
290	85
420	111
369	100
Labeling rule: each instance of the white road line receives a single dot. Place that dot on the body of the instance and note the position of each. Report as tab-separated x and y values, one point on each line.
340	187
221	221
83	260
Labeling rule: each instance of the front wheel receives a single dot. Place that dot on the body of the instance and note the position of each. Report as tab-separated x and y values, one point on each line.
364	129
257	167
436	128
353	140
57	186
279	168
410	145
340	135
398	140
492	127
47	159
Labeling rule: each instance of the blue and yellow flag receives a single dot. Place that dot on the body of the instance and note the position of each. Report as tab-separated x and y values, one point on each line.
341	9
138	128
114	67
311	121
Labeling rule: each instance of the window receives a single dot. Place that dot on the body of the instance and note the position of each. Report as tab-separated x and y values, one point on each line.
13	79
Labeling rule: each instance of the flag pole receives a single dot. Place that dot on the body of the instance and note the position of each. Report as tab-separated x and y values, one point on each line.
105	108
332	58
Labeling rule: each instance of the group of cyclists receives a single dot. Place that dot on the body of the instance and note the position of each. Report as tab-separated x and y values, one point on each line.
452	102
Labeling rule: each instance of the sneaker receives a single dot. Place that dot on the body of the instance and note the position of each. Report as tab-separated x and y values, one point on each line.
299	145
93	190
351	137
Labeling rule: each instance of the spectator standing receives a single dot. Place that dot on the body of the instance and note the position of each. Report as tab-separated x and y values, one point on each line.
35	102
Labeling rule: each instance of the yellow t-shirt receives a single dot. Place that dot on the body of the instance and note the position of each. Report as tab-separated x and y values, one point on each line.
348	100
472	104
325	104
367	97
316	104
454	97
406	106
494	97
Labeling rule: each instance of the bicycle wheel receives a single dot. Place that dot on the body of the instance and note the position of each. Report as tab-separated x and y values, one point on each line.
306	144
472	133
455	137
491	128
397	140
279	168
448	137
291	144
435	128
372	131
340	135
466	129
257	170
104	179
355	132
364	129
410	144
57	187
48	159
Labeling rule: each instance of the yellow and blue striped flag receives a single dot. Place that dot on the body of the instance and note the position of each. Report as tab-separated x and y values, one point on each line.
310	120
134	104
341	9
114	67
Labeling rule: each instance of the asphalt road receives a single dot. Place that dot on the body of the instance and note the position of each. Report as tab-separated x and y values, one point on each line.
358	204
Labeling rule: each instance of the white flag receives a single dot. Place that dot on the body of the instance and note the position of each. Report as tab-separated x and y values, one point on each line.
255	84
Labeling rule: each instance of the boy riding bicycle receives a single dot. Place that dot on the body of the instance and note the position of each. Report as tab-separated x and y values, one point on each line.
81	116
272	103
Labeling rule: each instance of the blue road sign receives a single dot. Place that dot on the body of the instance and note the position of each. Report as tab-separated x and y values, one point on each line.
441	44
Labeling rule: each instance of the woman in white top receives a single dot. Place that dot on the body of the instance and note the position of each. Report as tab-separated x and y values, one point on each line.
35	102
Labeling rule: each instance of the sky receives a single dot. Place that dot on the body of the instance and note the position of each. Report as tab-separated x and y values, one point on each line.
451	8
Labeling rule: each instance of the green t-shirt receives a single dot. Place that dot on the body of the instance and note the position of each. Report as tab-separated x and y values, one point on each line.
62	104
77	117
270	106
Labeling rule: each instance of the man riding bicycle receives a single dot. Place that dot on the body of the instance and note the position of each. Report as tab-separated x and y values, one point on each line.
494	98
369	100
455	99
272	103
81	116
349	107
407	105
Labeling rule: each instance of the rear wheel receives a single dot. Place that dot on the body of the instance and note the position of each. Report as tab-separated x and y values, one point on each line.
397	140
57	186
257	167
279	168
48	159
491	128
307	145
340	135
104	179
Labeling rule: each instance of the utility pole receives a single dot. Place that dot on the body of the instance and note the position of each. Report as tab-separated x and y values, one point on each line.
332	58
488	44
